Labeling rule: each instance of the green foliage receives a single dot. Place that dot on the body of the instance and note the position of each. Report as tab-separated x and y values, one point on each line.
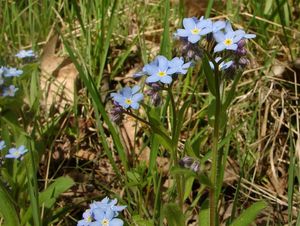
107	40
173	214
249	215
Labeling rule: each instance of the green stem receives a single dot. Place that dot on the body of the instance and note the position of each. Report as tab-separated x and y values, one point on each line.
213	195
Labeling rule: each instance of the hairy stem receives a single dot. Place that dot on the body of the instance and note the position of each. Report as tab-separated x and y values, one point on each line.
213	196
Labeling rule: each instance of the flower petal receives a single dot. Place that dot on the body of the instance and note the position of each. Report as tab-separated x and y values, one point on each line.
232	47
152	78
116	222
134	90
137	97
135	105
126	92
166	79
218	25
189	23
182	33
162	63
219	47
194	38
219	36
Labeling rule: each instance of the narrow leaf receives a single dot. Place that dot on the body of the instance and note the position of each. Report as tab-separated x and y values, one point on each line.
249	215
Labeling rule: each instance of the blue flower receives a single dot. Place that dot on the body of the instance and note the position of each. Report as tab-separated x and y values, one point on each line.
194	29
222	65
10	91
177	65
105	218
25	54
102	213
161	69
12	72
218	25
240	33
16	153
2	145
87	218
159	72
128	97
230	38
106	204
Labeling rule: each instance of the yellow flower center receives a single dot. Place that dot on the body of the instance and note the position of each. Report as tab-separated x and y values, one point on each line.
228	41
128	101
161	73
195	31
89	219
17	153
105	222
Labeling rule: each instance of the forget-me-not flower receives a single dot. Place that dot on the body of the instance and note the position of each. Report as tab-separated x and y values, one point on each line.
230	38
240	33
218	25
25	54
159	72
194	29
87	218
105	218
161	69
177	65
106	203
222	65
102	213
16	153
128	97
2	145
12	72
10	91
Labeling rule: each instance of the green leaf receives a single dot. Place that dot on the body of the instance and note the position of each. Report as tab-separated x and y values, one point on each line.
203	217
203	179
7	208
249	215
173	214
60	185
209	75
188	187
159	129
180	118
138	220
165	48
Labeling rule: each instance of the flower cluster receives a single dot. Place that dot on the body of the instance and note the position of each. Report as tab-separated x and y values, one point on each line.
126	98
162	70
190	163
22	54
7	89
218	33
13	153
6	76
103	213
219	36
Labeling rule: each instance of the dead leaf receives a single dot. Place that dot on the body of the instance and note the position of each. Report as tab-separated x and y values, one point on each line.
58	77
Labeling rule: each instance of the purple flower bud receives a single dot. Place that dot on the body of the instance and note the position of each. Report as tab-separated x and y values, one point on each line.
243	62
154	94
241	43
186	162
195	166
116	114
155	86
241	51
156	99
